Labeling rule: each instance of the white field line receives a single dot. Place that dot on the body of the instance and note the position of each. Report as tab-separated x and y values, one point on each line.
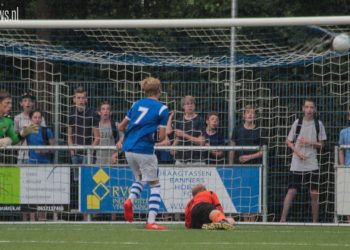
293	244
86	228
85	223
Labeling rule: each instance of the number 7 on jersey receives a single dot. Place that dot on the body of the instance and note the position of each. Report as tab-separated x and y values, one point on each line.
143	111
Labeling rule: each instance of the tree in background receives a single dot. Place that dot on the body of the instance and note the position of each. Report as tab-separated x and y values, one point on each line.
109	9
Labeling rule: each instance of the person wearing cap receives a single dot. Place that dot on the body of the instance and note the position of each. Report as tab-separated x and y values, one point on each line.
22	120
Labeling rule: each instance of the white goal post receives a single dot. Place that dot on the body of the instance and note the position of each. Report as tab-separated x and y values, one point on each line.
176	23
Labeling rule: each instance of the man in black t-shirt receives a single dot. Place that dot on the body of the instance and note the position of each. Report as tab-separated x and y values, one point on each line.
247	134
83	126
82	130
189	131
213	138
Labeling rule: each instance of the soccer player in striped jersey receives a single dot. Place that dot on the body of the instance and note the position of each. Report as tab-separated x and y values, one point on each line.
143	120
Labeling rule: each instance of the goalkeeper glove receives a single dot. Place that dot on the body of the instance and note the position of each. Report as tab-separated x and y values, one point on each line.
29	130
5	142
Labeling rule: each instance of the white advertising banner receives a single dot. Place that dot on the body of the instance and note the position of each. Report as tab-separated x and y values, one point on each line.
44	185
177	183
343	190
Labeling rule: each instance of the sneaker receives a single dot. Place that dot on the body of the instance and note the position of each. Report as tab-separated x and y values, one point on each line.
221	225
128	213
155	226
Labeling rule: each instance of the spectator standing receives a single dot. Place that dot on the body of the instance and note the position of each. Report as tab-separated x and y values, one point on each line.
213	138
82	130
344	154
83	126
189	131
306	136
22	120
247	134
43	137
8	136
109	136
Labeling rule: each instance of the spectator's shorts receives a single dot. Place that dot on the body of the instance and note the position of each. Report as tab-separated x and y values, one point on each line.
310	179
200	214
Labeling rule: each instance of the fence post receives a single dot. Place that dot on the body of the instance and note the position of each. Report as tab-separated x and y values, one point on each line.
89	157
336	161
265	186
56	118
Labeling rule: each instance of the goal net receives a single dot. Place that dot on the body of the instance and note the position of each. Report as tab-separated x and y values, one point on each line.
274	70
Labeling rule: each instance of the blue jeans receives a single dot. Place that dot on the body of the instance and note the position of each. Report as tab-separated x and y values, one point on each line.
79	159
22	161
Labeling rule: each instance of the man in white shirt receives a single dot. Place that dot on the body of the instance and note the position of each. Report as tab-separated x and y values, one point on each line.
306	136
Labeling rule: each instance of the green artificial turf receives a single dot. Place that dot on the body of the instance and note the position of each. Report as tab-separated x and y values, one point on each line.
129	236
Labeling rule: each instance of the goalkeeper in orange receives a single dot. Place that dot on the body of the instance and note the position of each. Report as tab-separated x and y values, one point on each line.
205	211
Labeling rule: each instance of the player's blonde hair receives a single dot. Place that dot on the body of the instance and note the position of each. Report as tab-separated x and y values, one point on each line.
151	86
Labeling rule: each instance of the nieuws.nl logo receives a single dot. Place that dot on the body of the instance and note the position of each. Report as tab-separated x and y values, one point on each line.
9	15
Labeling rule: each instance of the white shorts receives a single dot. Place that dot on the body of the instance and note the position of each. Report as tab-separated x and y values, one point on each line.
144	166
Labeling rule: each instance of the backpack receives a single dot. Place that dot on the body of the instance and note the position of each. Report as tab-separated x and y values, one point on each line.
300	123
114	131
46	141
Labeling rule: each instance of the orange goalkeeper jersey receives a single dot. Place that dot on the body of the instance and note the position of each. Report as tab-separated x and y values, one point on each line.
204	196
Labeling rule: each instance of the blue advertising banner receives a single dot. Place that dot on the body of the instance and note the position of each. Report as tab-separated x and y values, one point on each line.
104	190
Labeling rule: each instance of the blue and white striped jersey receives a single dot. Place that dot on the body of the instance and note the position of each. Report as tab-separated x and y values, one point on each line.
145	116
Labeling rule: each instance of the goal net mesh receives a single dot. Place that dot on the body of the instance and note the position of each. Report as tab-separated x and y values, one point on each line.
275	69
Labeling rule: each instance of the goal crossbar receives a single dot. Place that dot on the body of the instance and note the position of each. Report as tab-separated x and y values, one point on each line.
175	23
